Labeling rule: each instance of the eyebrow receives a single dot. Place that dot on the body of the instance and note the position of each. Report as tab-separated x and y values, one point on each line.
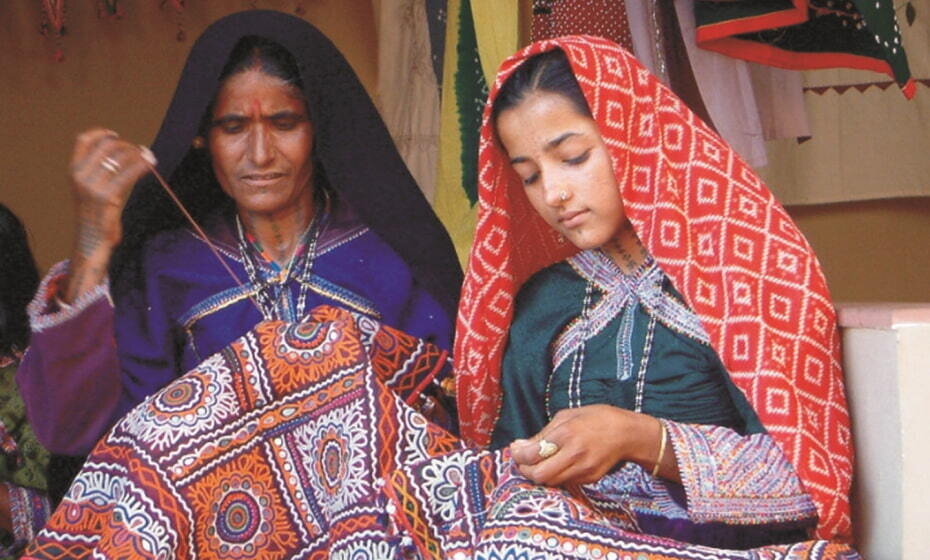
550	145
285	114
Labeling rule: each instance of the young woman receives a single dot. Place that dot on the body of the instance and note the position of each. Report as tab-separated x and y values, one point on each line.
686	358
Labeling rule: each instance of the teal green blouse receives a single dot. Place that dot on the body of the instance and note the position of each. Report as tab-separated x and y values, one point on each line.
684	379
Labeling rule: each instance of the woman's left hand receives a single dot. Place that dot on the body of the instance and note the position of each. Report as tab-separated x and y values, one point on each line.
591	440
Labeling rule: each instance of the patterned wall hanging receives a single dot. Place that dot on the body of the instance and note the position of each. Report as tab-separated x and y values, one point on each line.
110	9
177	8
53	24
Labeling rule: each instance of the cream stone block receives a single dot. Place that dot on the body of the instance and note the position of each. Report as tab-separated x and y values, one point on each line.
886	357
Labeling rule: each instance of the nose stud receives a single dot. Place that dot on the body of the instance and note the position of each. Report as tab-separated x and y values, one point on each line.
563	196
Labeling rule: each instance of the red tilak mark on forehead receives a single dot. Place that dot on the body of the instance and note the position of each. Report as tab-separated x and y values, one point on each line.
256	108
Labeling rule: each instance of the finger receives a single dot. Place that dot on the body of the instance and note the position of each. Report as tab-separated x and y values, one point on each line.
115	163
86	143
549	471
132	166
148	155
92	167
525	451
558	433
571	465
528	451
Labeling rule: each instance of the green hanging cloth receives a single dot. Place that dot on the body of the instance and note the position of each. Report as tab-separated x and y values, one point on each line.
464	95
807	34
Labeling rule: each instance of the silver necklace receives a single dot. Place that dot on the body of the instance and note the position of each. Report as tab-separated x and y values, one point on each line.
269	291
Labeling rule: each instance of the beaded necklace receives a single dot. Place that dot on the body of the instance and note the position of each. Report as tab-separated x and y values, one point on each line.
270	290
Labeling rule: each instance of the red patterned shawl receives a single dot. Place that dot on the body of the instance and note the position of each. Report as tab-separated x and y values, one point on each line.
717	232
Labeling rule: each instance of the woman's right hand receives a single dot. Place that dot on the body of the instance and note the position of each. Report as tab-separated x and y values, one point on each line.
104	169
588	442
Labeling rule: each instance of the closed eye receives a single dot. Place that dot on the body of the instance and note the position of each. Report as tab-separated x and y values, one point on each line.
230	124
287	121
579	159
531	179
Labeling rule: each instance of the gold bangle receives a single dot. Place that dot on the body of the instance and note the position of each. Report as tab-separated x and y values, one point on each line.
662	436
62	306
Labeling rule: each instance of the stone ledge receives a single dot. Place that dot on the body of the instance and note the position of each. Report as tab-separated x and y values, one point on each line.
881	315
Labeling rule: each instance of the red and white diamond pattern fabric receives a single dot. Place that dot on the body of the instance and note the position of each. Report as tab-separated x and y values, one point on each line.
717	232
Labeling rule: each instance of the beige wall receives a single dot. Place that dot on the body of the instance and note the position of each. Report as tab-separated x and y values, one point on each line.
121	75
876	250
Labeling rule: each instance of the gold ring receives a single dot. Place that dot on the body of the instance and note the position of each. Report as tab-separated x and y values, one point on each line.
547	448
110	165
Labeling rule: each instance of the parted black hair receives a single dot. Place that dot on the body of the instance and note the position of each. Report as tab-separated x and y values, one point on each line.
549	71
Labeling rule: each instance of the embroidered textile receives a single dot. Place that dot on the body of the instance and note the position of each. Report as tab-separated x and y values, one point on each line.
23	466
469	504
622	292
24	459
189	308
727	245
272	448
315	441
604	18
718	467
29	511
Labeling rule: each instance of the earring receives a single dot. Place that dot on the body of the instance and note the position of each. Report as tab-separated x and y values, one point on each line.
198	142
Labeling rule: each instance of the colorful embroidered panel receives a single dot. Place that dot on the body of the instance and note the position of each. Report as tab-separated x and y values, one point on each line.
272	448
296	442
470	504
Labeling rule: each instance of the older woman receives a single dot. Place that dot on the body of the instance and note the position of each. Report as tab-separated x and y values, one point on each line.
273	146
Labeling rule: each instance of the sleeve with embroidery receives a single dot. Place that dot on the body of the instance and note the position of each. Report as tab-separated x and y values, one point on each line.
69	377
736	479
